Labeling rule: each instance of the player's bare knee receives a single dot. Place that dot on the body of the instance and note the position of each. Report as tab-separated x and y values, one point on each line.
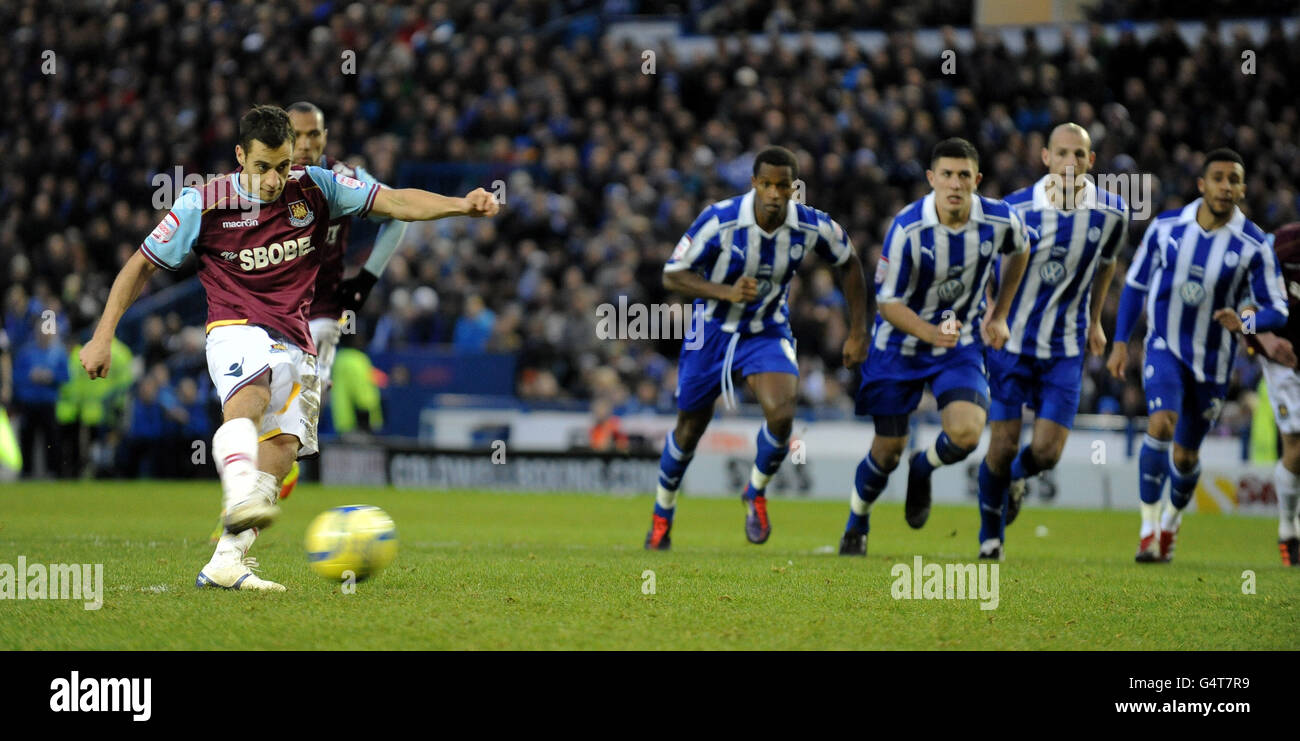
781	423
1002	450
1046	452
964	433
690	428
888	452
1185	458
1161	426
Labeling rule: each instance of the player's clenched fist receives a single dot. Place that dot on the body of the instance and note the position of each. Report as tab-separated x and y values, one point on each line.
944	334
744	291
1118	360
996	333
1096	340
95	357
855	349
481	203
1229	319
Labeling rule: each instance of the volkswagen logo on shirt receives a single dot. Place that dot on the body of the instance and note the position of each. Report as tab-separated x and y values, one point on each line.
1192	293
949	290
1052	272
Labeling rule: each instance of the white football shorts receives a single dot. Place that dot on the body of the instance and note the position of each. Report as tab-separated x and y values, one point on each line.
239	354
1284	395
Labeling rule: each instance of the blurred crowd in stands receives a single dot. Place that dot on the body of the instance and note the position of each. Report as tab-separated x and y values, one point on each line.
605	167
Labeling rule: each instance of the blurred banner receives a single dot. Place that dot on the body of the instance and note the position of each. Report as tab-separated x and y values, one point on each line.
546	451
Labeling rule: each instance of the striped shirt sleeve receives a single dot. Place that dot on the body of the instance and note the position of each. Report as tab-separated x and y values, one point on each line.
698	247
833	244
1139	272
894	270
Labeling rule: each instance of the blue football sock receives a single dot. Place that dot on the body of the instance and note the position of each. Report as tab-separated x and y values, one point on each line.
1025	464
994	493
770	454
1182	484
1153	469
672	464
868	484
770	451
947	452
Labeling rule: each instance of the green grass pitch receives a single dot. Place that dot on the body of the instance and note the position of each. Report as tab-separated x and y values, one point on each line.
484	570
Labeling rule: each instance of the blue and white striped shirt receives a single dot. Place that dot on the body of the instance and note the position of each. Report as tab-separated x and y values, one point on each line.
1049	316
726	243
1188	274
934	269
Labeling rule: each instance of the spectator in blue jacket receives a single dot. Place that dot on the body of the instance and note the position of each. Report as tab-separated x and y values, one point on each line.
40	367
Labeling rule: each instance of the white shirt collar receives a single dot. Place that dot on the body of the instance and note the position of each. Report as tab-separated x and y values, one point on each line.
1188	214
1087	200
930	213
239	188
747	218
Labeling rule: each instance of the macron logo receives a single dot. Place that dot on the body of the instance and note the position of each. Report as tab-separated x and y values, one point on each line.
91	695
238	224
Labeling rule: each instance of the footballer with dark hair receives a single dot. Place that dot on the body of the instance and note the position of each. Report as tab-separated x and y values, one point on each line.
257	233
736	261
1196	269
931	330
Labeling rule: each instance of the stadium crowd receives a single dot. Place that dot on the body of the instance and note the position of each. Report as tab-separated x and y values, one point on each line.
607	166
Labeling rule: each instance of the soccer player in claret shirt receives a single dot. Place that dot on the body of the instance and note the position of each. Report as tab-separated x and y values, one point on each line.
256	234
1279	363
937	259
736	261
1055	318
1195	270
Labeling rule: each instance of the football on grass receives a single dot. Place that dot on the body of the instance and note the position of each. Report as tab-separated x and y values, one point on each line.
351	543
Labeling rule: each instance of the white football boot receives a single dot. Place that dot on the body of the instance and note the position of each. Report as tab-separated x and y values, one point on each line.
235	574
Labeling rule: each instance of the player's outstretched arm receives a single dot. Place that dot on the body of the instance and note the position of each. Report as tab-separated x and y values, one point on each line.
854	284
903	318
413	204
96	354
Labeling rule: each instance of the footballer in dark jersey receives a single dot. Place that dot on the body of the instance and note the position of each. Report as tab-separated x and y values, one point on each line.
256	234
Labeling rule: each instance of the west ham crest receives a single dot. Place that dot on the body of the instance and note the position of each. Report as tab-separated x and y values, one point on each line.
300	214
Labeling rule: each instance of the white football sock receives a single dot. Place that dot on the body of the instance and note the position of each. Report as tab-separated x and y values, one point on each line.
664	498
232	547
932	454
266	486
1287	485
857	504
758	479
1150	518
234	451
1172	519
